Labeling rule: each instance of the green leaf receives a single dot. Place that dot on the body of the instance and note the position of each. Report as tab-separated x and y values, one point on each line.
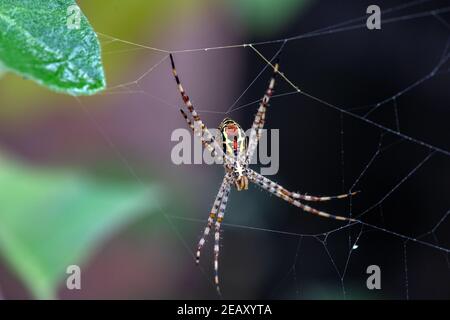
36	42
50	220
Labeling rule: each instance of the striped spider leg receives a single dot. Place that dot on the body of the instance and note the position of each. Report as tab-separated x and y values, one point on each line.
213	214
260	118
293	197
197	124
208	144
219	220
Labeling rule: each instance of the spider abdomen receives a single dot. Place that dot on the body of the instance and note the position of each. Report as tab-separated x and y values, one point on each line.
233	139
234	143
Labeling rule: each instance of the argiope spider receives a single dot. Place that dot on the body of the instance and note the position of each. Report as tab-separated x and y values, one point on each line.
232	145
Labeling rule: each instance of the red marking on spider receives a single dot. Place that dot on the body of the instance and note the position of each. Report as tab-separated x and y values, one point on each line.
232	129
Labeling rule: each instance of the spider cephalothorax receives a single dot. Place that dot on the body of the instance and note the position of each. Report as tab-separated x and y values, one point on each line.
231	144
234	143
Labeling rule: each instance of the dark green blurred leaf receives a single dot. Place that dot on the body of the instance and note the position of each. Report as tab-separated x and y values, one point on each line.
267	16
36	42
50	220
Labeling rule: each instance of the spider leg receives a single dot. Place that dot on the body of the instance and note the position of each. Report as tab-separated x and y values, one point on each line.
282	193
258	122
197	123
306	197
296	195
208	144
212	216
219	220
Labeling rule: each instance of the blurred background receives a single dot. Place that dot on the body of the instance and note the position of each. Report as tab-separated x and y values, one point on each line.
90	181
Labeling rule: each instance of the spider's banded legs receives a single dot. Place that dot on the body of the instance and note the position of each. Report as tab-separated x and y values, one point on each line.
279	192
258	122
212	216
296	195
197	121
219	220
208	144
318	199
184	96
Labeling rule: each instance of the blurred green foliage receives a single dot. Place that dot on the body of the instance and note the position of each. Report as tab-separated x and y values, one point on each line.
265	17
36	42
52	219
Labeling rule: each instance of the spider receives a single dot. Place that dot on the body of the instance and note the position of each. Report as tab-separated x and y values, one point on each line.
236	150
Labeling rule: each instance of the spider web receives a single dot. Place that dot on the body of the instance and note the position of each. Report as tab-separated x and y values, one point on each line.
390	217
